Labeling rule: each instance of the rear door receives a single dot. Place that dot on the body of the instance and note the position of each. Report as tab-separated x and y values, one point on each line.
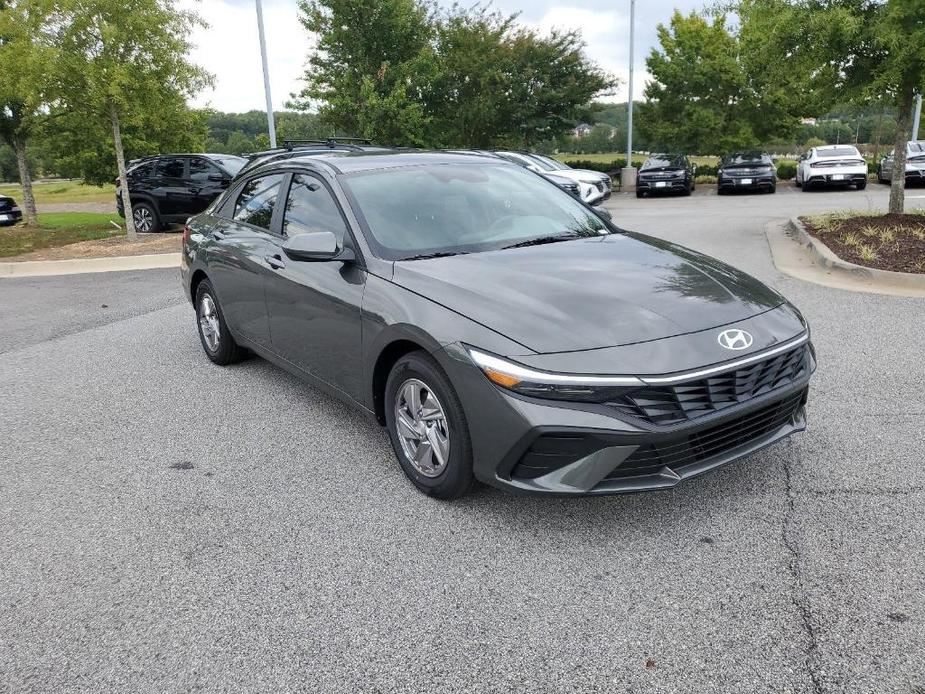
315	306
170	188
206	182
238	255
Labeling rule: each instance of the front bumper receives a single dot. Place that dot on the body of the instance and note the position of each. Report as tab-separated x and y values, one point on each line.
756	182
538	446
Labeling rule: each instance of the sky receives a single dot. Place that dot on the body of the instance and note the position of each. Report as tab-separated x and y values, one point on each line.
230	50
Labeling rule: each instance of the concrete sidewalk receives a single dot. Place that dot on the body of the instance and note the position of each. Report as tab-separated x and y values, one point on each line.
46	268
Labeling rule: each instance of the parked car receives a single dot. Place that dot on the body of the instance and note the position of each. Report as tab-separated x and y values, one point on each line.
567	184
666	173
496	326
832	165
9	211
168	189
594	186
915	164
747	171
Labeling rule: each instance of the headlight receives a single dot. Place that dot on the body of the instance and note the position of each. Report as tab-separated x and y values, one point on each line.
544	384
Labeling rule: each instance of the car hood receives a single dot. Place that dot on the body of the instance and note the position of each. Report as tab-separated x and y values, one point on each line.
589	293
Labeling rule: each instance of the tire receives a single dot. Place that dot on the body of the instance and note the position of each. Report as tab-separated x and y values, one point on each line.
640	194
721	191
796	182
862	185
806	186
451	477
772	190
688	190
880	175
145	217
209	322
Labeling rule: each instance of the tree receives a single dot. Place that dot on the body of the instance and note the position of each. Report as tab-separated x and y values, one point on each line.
402	72
25	64
122	61
863	50
702	100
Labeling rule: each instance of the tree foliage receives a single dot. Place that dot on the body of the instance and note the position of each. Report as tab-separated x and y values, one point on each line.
403	72
702	98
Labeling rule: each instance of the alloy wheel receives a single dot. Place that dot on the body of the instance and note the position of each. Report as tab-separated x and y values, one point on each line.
144	220
208	322
422	427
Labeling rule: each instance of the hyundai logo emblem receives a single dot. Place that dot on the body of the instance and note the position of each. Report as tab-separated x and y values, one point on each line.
735	339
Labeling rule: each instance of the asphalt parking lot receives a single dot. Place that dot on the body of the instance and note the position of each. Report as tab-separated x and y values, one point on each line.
168	525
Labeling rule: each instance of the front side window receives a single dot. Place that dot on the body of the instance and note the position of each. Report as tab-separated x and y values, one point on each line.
200	170
257	199
310	207
171	168
463	208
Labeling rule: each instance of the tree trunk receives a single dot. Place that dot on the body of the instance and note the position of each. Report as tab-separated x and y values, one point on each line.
25	178
130	232
903	125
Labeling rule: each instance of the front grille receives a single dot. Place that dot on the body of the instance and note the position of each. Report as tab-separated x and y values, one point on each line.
683	450
682	402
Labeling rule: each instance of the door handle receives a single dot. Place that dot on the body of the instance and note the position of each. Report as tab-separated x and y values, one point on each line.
274	261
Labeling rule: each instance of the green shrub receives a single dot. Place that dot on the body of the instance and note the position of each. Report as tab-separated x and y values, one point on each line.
607	167
707	170
786	170
705	179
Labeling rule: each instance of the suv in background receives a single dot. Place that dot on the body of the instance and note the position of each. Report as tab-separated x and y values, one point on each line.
832	165
593	187
747	171
665	173
9	211
170	188
915	164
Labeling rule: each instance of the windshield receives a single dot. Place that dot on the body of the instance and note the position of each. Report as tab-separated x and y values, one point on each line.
837	152
548	163
663	161
916	150
463	208
231	164
752	158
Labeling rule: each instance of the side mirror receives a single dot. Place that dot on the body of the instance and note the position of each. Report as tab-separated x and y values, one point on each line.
217	177
603	212
315	245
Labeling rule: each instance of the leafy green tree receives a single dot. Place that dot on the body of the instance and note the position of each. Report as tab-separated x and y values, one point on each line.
701	98
862	50
400	71
25	69
123	61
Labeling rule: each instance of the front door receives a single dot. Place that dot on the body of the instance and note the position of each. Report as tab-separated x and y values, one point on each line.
206	182
171	189
238	256
315	306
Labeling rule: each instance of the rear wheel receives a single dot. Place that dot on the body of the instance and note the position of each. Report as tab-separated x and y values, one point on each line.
427	427
145	217
214	335
639	194
805	186
862	185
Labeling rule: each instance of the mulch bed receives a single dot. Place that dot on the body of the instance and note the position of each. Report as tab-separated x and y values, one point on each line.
166	242
886	242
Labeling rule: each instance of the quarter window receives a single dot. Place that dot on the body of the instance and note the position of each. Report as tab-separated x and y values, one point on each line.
257	199
310	207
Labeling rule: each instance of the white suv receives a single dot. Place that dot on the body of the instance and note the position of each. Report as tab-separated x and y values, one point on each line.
593	186
832	165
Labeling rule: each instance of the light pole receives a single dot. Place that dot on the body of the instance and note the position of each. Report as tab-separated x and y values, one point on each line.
266	75
917	118
628	175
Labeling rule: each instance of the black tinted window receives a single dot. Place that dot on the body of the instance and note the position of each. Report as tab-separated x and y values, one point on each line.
200	170
310	207
664	161
171	168
256	200
142	171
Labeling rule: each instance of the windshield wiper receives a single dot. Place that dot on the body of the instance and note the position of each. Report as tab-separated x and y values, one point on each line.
542	240
428	256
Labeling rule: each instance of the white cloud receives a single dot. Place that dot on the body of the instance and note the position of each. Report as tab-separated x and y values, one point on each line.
230	50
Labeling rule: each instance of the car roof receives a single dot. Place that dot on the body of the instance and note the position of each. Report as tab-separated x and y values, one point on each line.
351	162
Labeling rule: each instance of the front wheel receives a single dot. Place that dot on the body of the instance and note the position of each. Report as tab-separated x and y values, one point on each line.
427	427
214	335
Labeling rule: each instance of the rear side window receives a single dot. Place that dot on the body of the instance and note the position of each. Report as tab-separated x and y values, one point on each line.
171	168
257	199
142	171
311	207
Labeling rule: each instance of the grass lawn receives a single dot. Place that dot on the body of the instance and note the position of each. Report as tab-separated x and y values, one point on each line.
61	191
608	157
56	229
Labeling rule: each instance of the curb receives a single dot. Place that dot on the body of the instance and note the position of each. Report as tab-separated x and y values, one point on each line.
823	256
48	268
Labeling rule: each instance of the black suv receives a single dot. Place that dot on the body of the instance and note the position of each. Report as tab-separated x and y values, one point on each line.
170	188
9	211
299	148
665	173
